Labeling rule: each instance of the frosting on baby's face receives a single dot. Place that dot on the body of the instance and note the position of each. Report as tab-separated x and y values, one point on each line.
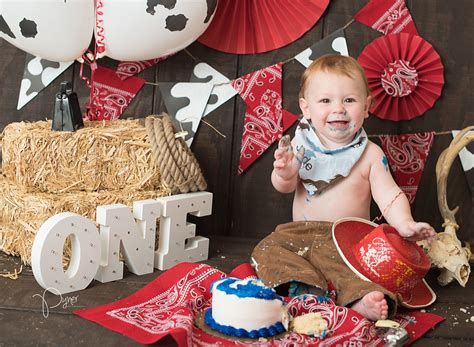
336	105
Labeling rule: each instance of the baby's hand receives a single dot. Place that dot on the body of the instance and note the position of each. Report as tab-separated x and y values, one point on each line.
417	231
286	164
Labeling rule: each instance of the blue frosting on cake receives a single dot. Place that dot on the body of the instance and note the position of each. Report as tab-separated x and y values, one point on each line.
251	289
254	334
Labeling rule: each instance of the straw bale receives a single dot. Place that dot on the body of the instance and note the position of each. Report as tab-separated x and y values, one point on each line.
101	156
22	213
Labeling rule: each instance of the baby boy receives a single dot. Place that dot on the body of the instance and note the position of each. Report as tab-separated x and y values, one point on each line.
334	172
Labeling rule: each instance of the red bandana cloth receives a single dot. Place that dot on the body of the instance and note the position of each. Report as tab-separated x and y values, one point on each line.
407	155
169	304
125	69
387	17
112	95
265	119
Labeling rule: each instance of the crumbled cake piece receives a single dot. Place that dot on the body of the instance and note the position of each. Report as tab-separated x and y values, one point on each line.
310	324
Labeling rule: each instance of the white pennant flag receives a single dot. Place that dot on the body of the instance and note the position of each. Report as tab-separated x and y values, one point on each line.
221	91
38	74
334	43
185	103
466	156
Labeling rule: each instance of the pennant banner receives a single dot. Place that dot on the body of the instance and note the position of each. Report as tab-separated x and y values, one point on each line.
264	118
466	155
331	44
38	74
221	91
126	69
387	17
407	155
185	103
112	94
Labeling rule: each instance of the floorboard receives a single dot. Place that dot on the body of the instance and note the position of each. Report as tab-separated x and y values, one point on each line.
23	321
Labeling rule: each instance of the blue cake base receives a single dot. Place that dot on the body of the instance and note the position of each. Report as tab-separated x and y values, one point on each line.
254	334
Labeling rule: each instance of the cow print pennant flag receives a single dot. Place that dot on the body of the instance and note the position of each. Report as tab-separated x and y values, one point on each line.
38	74
334	43
467	160
221	90
185	103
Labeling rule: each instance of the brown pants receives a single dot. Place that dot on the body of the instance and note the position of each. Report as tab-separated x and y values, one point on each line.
305	252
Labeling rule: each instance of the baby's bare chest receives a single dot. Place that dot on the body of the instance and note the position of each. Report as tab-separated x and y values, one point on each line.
350	196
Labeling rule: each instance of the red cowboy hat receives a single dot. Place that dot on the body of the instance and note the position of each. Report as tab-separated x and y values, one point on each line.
377	253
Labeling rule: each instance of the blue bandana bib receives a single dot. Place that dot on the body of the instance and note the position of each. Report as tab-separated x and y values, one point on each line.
322	167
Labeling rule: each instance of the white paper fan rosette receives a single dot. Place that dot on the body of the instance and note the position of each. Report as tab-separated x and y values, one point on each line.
405	75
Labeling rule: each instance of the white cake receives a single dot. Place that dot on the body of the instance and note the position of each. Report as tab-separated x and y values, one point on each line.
245	308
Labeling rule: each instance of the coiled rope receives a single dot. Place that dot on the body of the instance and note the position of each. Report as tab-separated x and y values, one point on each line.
180	171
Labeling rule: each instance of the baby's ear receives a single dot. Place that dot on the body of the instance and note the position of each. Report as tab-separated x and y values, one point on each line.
304	108
368	102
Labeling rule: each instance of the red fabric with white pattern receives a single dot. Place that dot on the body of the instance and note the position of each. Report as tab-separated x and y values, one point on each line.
265	119
168	305
407	155
387	17
125	69
111	94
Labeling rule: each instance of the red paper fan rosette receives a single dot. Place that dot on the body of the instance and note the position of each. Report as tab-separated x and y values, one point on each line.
255	26
405	75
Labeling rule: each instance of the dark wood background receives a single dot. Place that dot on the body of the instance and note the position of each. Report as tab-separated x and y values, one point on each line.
247	206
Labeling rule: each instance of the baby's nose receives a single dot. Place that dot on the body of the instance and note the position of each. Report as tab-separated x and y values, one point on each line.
339	108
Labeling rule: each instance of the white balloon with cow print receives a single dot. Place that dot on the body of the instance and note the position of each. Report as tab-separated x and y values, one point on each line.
152	28
58	31
126	30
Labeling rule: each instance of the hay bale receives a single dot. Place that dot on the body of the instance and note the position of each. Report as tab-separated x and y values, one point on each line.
22	213
101	156
47	172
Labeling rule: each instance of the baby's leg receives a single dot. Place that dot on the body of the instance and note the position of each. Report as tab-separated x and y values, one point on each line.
281	257
372	306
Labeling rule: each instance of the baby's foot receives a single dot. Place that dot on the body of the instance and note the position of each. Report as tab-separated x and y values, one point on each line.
372	306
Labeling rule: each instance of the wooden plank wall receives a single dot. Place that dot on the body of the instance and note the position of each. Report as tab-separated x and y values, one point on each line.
247	206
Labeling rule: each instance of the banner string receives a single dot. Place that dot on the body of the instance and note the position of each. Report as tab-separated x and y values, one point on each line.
343	28
224	83
435	133
197	60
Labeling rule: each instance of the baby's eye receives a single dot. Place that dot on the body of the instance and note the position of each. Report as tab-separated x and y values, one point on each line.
349	100
324	101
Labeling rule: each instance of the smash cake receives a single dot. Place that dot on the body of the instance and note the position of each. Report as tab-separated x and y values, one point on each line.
245	308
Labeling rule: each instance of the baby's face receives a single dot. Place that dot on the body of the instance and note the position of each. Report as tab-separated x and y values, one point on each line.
336	105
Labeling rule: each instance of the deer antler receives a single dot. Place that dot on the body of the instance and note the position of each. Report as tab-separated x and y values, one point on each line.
442	171
446	251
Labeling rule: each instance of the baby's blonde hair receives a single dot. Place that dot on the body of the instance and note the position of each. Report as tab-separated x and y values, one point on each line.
334	63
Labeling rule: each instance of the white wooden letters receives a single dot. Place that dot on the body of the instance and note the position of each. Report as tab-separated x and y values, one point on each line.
178	242
47	253
131	235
